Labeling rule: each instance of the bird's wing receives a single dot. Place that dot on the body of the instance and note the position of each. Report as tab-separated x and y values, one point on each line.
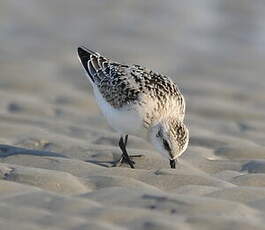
96	66
111	78
122	84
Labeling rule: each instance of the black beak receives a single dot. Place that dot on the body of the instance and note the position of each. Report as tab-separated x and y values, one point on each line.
172	163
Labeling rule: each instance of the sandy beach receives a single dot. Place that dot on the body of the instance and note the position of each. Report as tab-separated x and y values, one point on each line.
57	150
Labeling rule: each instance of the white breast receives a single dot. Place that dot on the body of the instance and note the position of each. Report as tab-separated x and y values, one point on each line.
125	120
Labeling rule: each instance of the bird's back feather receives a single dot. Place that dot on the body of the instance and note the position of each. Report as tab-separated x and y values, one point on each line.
121	85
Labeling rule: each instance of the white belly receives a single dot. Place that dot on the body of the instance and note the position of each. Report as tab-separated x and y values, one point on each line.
124	121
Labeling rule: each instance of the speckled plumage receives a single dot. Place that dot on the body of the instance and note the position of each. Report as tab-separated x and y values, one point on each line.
133	97
133	85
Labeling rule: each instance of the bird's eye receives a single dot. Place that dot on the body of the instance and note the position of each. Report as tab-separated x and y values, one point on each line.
166	145
159	134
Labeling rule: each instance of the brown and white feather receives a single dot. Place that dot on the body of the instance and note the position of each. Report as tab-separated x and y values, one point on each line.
153	95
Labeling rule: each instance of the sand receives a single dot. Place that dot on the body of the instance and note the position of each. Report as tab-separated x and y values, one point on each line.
57	150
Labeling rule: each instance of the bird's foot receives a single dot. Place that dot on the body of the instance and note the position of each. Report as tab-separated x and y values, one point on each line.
126	160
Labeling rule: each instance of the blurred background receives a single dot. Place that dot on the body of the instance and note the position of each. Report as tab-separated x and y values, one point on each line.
213	49
57	150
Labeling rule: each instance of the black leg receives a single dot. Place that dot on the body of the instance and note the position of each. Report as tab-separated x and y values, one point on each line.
124	151
125	141
125	158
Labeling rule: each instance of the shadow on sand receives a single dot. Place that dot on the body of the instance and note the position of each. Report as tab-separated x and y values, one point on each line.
9	150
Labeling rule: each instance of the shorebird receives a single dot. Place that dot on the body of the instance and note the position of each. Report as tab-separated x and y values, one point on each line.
133	98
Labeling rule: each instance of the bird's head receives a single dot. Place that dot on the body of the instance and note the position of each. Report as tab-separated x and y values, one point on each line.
171	138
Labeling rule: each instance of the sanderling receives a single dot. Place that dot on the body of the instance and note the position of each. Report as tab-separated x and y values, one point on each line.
132	98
